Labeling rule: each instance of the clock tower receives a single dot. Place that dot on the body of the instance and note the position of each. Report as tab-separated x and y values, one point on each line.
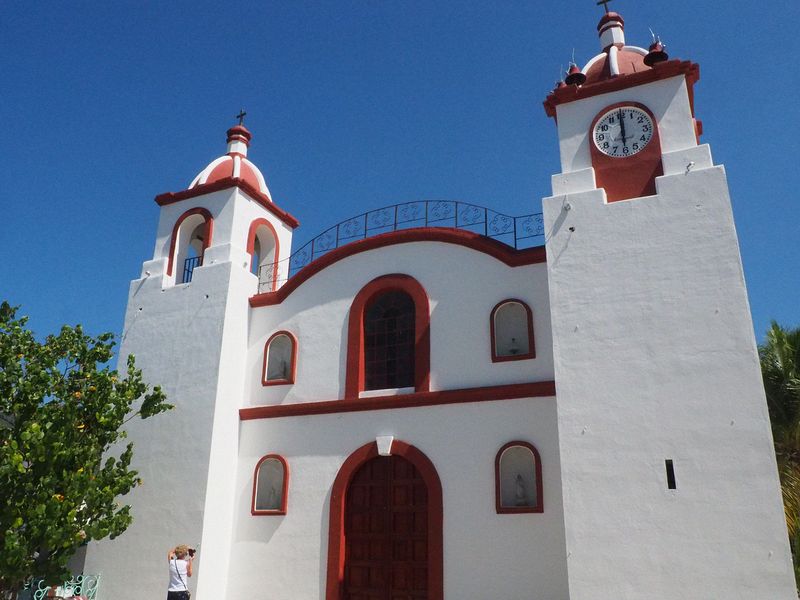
670	487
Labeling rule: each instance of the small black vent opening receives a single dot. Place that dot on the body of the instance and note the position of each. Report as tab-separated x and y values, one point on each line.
670	474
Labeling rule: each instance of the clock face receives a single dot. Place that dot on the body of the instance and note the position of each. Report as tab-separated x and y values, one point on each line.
623	131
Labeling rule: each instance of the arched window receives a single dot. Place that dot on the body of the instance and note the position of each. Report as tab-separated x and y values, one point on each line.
191	235
389	341
263	246
280	359
511	326
518	479
270	486
388	338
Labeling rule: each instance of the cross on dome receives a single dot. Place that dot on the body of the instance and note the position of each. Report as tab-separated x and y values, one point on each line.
605	5
242	115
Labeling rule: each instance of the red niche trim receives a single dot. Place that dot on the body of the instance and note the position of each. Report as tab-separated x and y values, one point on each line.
292	367
539	495
223	184
354	378
531	345
251	245
633	176
336	535
460	237
663	70
537	389
207	238
285	488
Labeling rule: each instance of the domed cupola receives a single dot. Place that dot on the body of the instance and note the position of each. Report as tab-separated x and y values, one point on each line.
234	164
616	58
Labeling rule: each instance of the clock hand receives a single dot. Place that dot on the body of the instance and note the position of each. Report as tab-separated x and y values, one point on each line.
622	124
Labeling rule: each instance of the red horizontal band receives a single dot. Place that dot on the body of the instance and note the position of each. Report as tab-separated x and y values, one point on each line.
478	394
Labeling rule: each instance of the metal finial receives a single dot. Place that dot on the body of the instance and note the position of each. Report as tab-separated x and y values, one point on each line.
241	116
605	5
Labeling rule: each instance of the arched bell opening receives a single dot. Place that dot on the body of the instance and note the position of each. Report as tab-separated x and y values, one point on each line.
190	238
262	245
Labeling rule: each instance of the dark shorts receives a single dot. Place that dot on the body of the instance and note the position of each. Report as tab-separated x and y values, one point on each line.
178	596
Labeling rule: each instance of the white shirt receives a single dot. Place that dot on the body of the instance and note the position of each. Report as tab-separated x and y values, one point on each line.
178	575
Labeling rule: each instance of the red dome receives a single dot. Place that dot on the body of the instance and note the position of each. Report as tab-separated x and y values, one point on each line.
628	60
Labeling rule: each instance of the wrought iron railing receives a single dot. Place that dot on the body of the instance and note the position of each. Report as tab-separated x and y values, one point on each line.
84	586
518	232
189	266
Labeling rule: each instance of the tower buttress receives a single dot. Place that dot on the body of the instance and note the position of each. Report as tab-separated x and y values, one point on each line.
669	477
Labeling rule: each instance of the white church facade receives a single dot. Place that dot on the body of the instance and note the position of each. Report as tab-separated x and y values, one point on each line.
423	404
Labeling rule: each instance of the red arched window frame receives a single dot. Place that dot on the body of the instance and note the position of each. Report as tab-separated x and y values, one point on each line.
206	241
284	488
538	470
531	345
354	378
336	536
292	366
251	245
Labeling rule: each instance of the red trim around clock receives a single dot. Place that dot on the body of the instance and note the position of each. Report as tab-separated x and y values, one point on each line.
631	176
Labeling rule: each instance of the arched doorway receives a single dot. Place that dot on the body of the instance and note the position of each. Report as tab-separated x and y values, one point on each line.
386	527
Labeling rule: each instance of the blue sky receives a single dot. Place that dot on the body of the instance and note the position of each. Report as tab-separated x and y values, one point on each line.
352	105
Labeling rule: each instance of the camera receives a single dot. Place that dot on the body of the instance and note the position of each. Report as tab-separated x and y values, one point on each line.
192	551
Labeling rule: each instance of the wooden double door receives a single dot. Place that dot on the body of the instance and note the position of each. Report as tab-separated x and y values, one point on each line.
386	532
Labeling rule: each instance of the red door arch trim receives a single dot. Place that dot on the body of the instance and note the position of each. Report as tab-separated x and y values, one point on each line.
354	378
336	538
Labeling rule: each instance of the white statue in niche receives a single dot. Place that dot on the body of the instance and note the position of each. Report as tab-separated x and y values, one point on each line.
272	498
519	493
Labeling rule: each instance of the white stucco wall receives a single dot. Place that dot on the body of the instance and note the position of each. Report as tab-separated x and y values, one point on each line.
486	555
463	286
655	359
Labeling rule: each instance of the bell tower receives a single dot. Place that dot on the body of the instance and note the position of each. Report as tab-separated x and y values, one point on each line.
218	242
670	486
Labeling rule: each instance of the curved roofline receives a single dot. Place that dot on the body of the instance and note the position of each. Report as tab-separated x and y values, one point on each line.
459	237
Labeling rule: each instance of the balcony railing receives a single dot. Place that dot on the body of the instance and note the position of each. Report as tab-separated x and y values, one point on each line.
189	266
518	232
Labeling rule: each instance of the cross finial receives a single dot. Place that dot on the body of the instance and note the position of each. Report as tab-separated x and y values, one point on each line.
605	4
241	116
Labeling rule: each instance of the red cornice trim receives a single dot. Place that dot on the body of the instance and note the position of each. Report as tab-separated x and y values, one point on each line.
292	367
223	184
251	246
284	496
538	469
531	353
460	237
336	534
354	376
209	220
538	389
664	70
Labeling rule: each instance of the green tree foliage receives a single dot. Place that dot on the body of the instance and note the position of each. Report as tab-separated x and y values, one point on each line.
62	466
780	367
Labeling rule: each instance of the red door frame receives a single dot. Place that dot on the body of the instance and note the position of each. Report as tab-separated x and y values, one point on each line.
336	537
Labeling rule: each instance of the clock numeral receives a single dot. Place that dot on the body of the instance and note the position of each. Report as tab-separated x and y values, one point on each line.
635	146
625	150
604	128
601	137
605	144
643	138
640	120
